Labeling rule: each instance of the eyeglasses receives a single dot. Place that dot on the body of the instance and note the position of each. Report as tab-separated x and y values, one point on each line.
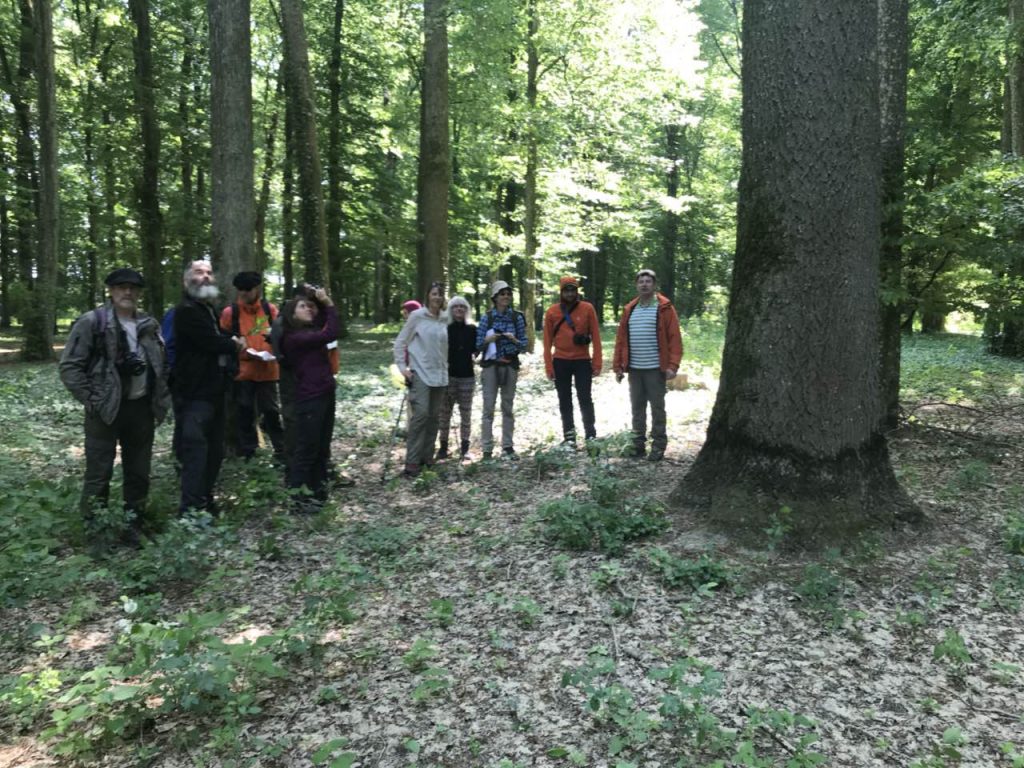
505	292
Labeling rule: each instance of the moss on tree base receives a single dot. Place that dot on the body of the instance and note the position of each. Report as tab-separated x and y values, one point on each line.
741	487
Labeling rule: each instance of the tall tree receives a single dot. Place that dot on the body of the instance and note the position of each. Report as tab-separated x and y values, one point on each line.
435	171
39	319
151	234
1016	79
529	292
797	418
893	49
301	105
233	207
334	124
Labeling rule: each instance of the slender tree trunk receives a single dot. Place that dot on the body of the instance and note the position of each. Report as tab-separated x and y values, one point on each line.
797	419
434	154
148	191
529	292
263	201
288	205
6	265
39	320
189	241
334	217
1016	9
670	237
301	103
233	211
893	48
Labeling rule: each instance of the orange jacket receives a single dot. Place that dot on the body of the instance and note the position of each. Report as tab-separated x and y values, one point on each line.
254	325
670	338
585	319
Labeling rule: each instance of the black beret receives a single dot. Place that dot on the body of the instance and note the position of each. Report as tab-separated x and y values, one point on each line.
123	276
246	281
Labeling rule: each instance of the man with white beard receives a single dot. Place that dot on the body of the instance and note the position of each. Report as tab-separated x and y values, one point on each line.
206	360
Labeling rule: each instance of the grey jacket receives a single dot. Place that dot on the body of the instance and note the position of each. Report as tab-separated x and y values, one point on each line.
89	371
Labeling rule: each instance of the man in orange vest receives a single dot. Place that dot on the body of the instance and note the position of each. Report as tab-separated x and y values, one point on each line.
255	386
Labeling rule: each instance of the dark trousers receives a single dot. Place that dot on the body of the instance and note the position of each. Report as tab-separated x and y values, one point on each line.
582	372
133	429
648	387
201	451
314	425
258	399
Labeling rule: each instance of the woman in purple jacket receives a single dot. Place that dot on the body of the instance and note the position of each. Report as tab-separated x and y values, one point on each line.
310	324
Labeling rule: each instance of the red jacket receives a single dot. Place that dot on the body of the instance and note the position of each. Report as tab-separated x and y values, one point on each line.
253	324
670	338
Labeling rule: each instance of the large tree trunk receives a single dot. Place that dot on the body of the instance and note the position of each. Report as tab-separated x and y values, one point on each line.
151	232
893	46
529	293
1016	56
301	103
334	236
798	413
288	204
434	157
233	208
39	319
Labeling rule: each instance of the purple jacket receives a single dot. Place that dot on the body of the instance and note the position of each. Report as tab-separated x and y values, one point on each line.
306	353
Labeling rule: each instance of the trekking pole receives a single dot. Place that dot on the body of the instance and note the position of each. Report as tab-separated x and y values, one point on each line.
394	435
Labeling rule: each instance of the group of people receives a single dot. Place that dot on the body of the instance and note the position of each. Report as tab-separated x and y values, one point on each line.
279	370
128	375
436	349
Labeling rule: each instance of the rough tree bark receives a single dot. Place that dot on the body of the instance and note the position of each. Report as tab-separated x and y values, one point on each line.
797	418
148	190
301	104
39	319
1016	56
288	204
263	200
188	229
434	166
893	50
232	203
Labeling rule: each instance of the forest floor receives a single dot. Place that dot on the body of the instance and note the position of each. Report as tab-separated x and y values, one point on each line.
543	612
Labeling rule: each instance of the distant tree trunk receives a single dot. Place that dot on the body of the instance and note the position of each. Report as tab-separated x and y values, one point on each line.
1006	128
1016	56
529	300
334	236
893	48
432	202
288	205
384	303
670	236
933	322
232	207
299	88
263	201
40	317
148	191
797	419
6	267
189	241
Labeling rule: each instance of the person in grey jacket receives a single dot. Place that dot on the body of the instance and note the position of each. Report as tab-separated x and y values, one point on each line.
114	364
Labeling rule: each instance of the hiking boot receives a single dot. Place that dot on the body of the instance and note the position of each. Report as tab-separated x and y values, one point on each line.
510	454
488	455
464	450
443	453
656	455
411	470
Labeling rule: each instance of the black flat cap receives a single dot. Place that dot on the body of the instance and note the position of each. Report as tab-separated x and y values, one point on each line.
246	281
125	276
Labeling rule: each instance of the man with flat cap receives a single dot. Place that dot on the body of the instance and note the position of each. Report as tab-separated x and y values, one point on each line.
255	388
114	364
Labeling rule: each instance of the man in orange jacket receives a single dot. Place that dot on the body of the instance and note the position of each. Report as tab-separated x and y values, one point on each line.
572	328
649	347
255	386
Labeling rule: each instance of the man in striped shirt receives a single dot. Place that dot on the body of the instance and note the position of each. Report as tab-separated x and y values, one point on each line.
649	347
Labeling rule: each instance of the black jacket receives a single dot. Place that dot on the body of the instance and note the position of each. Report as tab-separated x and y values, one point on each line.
461	349
206	358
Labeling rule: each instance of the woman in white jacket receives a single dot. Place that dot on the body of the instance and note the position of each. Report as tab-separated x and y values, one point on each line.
421	354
